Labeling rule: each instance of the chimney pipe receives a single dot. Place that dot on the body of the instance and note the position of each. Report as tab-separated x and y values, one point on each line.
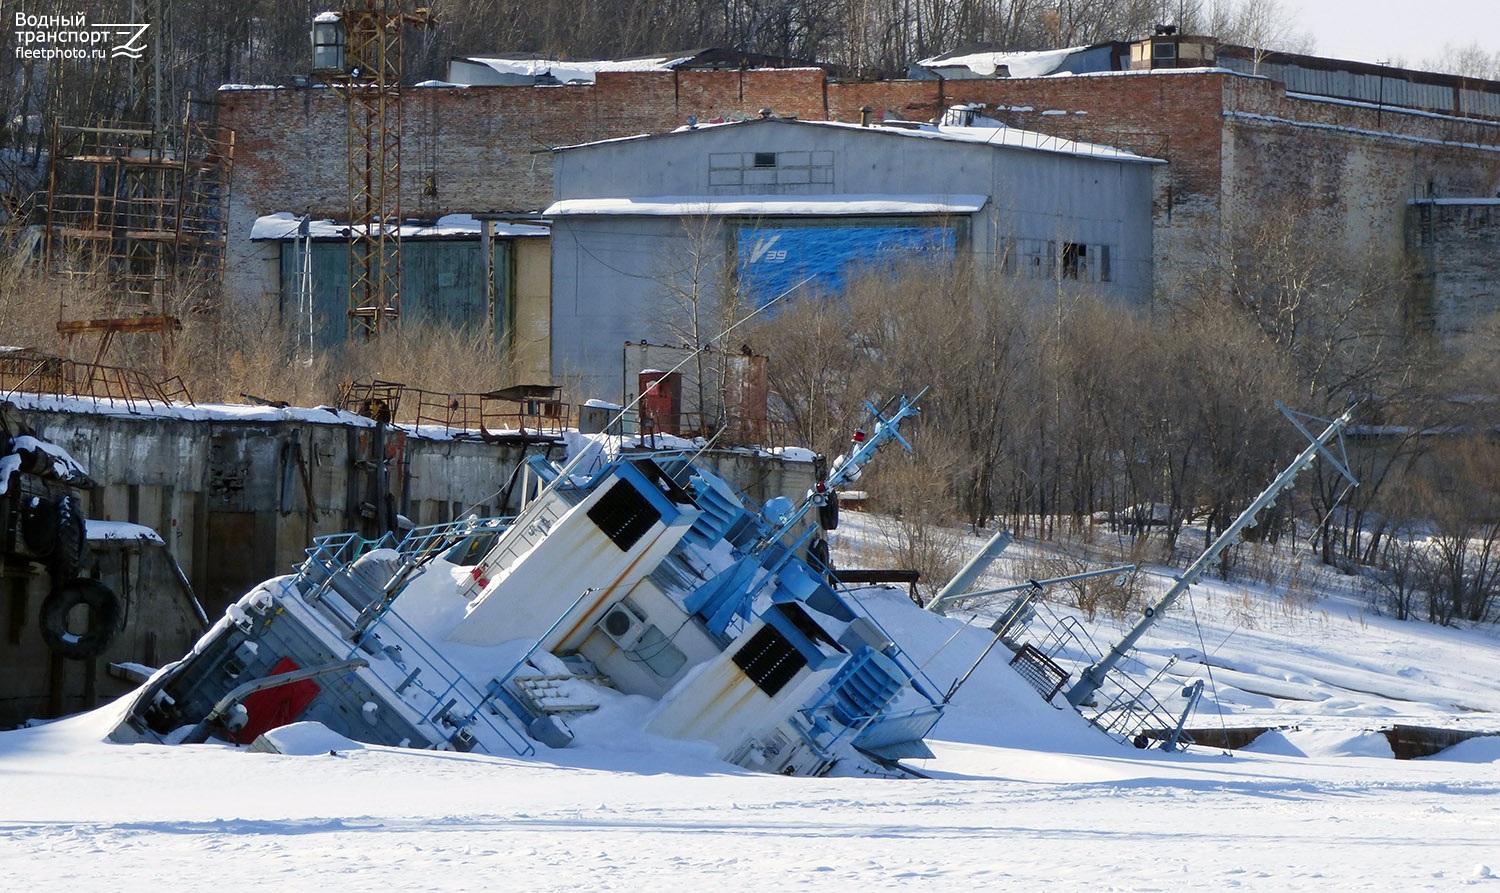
865	114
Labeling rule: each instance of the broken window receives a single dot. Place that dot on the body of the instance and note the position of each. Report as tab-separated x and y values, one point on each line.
624	515
1075	260
1038	259
769	660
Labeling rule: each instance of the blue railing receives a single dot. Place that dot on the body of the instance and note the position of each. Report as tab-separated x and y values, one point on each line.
456	702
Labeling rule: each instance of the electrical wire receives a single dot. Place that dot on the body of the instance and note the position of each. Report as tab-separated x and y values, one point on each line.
1208	668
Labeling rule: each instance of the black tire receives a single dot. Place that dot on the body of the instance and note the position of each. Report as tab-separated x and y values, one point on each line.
828	513
817	553
103	624
39	526
72	544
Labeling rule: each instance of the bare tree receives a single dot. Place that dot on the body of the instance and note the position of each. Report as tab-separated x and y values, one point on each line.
1470	61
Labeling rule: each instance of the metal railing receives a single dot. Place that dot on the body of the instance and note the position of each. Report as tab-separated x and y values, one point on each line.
42	374
456	702
487	415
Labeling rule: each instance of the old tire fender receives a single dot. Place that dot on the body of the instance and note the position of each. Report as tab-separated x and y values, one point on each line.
103	619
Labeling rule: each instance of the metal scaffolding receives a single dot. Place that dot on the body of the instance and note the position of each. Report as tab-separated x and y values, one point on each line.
367	74
140	207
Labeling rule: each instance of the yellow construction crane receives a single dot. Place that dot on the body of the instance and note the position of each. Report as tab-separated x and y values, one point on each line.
357	51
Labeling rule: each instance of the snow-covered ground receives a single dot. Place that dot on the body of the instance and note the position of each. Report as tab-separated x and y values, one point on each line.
1022	794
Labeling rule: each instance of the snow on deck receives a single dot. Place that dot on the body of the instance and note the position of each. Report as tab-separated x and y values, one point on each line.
1022	795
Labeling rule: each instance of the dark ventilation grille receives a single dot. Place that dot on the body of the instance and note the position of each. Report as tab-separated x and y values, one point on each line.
1039	670
769	660
765	159
624	515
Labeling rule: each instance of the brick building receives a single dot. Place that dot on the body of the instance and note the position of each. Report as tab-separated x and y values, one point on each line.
1234	140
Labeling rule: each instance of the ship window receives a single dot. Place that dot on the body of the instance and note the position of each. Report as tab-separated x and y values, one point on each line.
624	515
769	660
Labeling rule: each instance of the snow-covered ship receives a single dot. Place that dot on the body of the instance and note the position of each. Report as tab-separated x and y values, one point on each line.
651	577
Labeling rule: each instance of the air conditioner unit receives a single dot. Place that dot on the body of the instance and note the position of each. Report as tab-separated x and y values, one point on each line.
624	624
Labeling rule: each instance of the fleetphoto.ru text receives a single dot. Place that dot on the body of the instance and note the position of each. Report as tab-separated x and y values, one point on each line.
72	37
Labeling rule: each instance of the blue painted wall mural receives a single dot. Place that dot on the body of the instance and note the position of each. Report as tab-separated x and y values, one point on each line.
774	256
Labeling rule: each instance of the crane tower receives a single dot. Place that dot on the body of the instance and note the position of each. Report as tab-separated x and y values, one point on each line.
357	51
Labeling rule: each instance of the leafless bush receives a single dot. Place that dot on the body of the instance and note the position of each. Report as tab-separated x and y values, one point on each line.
1115	596
31	305
917	528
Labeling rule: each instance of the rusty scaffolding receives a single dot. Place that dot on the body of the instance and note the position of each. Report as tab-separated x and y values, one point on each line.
140	207
368	77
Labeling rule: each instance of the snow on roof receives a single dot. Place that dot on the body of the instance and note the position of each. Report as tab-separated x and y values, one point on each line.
992	133
766	205
1338	128
324	18
1034	64
581	71
118	530
196	412
284	225
986	131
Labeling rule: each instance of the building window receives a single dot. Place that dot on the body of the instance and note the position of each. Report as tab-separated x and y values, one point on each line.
1164	52
1040	259
1075	260
624	515
765	159
769	660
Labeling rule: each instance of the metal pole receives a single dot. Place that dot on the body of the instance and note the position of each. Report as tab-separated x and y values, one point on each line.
972	571
1094	676
1071	578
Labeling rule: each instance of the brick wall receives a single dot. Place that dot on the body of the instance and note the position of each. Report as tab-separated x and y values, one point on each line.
1230	140
1456	249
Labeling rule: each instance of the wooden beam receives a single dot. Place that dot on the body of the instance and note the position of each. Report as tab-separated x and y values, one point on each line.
125	325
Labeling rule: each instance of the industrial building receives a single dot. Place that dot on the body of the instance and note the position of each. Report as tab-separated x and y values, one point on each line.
648	231
1357	149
